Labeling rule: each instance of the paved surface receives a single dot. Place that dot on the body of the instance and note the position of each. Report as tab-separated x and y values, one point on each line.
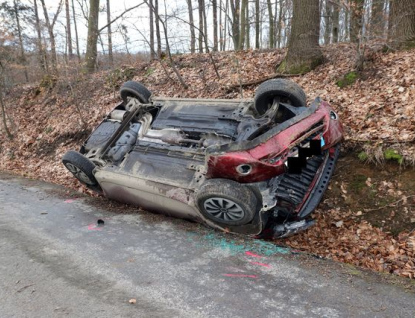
56	262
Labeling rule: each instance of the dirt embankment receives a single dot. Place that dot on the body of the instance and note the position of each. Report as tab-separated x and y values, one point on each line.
369	210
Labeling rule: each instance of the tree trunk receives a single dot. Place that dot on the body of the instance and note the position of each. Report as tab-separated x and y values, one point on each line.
153	53
335	23
215	24
205	32
101	43
276	12
304	52
356	22
248	27
271	25
220	26
402	24
76	32
377	20
225	27
192	27
52	38
168	52
91	45
68	29
257	24
158	36
241	43
19	33
235	9
41	51
327	21
200	9
3	113
110	55
279	28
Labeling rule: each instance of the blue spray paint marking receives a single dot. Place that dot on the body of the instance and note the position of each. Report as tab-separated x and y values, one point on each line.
257	246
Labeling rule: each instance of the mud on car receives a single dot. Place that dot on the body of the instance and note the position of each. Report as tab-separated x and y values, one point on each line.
257	167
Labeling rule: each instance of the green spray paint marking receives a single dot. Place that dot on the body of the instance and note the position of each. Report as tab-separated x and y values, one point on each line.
259	247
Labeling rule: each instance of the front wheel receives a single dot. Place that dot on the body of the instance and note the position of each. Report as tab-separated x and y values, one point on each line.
81	167
226	202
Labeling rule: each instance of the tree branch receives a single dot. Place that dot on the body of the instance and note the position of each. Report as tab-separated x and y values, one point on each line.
120	16
57	13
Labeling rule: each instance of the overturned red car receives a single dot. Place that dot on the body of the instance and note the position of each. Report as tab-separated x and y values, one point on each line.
258	167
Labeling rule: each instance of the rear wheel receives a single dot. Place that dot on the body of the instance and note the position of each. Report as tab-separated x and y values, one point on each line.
81	167
286	91
136	90
226	202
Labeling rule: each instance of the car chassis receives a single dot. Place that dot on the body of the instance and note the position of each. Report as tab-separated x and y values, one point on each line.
258	167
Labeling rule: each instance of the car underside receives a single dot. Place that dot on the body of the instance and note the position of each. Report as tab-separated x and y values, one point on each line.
253	167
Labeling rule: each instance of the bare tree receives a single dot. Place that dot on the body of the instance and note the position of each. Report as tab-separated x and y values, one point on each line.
215	24
91	44
5	58
50	27
76	32
3	113
271	25
279	24
205	29
200	39
242	31
356	23
163	24
402	24
247	27
19	33
94	32
257	31
236	26
304	52
335	23
110	55
327	20
41	51
377	24
192	27
158	36
223	22
68	29
153	53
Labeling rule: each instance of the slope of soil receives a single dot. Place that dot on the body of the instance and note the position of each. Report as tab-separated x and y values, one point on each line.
369	211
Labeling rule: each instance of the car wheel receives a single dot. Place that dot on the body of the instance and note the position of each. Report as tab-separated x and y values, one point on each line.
80	167
288	92
226	202
136	90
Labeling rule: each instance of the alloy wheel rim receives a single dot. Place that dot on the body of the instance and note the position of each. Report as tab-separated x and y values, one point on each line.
79	174
224	209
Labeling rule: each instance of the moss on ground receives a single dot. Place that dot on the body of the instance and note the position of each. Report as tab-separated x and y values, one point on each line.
391	154
363	156
348	79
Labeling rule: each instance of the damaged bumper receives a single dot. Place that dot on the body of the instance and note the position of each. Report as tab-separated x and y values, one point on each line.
312	198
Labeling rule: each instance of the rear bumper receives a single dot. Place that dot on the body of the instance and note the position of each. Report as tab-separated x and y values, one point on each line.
298	219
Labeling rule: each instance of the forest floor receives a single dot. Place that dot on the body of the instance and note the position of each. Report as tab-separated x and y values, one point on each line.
367	217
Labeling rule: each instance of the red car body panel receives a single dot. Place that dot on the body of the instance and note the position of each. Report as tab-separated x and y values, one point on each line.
278	146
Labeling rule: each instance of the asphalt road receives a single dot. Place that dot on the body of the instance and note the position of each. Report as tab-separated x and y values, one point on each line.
55	261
